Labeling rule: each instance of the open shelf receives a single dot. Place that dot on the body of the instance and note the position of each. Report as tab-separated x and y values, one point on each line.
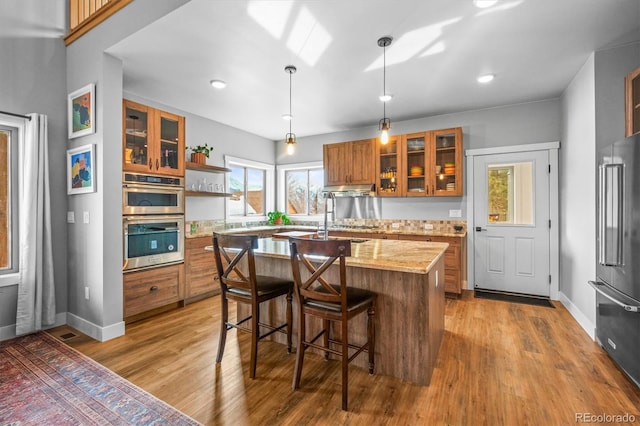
206	168
206	194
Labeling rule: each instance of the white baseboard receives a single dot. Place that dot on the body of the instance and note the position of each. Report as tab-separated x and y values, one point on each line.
9	331
577	314
101	334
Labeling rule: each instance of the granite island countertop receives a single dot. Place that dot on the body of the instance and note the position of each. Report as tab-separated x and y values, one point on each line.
417	257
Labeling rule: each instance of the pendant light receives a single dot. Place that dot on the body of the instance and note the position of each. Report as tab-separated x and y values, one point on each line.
290	138
385	124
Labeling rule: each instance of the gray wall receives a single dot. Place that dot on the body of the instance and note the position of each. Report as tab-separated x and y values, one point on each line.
32	79
493	127
611	66
578	197
95	249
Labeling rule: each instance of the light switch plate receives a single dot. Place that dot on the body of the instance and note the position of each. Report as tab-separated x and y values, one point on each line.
71	217
85	217
455	213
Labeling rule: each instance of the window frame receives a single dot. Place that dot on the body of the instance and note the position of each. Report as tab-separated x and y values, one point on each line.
282	189
16	126
269	187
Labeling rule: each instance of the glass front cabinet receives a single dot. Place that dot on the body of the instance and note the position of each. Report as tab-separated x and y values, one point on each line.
388	167
446	154
423	164
153	140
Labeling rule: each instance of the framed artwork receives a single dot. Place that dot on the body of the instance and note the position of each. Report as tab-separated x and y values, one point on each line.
81	176
81	111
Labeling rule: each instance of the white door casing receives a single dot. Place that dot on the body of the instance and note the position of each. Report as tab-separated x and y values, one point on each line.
515	252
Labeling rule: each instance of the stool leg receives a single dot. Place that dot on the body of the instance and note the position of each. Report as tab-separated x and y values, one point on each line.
326	326
345	363
299	350
289	321
255	336
223	327
371	336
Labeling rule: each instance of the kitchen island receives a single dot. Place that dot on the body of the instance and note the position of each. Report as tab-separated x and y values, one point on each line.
408	278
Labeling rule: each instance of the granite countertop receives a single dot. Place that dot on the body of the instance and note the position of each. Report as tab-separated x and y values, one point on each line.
399	231
392	255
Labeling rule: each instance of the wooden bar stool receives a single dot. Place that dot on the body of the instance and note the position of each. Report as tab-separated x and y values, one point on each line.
331	302
251	289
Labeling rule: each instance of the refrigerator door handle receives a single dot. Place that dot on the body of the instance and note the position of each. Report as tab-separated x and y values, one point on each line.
611	193
598	287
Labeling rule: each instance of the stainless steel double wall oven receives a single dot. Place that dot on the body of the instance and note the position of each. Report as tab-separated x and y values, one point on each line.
152	220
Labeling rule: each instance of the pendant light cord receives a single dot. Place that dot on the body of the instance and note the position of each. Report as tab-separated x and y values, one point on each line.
384	81
290	113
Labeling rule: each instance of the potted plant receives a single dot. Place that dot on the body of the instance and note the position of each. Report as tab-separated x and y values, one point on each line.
277	218
200	153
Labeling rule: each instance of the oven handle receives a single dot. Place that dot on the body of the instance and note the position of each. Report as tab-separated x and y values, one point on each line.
149	188
126	248
146	218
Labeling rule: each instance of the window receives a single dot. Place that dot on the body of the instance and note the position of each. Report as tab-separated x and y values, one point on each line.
251	187
9	248
301	188
510	197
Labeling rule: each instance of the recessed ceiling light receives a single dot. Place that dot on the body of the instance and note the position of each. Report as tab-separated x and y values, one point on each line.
218	84
485	78
385	98
482	4
287	117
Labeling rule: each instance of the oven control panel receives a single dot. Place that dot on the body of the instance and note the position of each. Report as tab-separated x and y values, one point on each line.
152	179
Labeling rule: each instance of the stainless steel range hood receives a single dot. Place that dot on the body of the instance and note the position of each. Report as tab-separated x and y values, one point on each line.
351	190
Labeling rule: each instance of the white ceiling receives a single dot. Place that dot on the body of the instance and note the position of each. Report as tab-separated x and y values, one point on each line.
534	47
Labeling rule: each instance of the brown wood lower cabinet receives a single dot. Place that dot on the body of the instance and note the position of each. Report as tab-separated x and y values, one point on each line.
150	289
201	273
454	260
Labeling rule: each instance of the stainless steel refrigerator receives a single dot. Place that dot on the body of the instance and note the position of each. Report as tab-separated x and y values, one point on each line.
618	255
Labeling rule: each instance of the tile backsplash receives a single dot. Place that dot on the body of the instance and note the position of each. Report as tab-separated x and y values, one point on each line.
207	227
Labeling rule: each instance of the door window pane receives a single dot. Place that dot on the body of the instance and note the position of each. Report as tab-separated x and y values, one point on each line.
510	193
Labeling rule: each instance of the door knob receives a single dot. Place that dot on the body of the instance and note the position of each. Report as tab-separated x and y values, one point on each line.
479	229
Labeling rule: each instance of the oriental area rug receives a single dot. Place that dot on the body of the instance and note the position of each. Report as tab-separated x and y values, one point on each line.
45	382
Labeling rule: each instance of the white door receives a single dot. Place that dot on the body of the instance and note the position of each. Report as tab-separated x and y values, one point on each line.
511	220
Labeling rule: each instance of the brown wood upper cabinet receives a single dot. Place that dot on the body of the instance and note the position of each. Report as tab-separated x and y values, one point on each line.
423	164
349	162
153	140
632	99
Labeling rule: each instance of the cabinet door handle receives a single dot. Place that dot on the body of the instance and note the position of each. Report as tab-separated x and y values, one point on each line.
153	288
150	164
157	164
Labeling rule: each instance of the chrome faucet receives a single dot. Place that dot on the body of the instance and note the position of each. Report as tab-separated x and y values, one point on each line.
329	195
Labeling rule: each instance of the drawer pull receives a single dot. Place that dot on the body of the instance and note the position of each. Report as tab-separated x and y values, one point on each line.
153	288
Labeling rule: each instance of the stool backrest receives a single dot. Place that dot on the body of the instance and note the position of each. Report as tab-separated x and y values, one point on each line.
229	251
316	257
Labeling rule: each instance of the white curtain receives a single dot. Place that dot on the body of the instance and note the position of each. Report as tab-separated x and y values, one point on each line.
36	292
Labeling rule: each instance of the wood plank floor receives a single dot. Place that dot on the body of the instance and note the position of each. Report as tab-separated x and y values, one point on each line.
499	364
